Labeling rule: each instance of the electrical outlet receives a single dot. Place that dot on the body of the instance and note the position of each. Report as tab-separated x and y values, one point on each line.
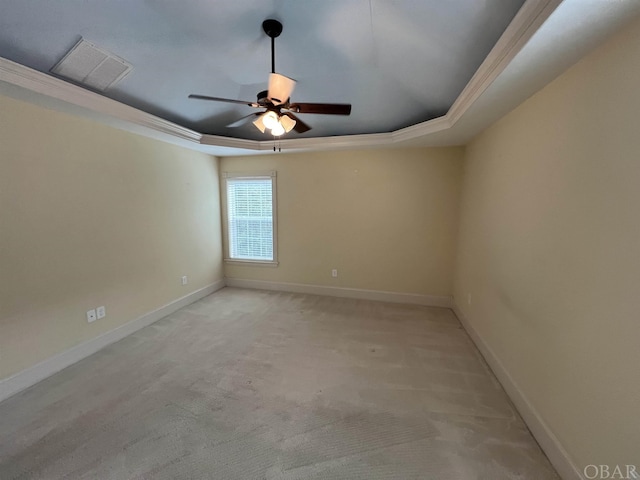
184	280
334	273
101	312
91	316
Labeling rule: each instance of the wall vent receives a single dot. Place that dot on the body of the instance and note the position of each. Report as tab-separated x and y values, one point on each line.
92	66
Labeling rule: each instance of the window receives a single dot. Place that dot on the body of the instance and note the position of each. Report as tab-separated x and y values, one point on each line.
250	219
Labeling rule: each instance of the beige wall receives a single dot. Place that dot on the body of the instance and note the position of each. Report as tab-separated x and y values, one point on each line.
550	251
386	219
91	216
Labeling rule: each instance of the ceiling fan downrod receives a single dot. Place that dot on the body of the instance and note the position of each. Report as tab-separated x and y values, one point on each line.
273	29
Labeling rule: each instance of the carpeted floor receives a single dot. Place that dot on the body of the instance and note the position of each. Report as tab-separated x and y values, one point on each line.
262	385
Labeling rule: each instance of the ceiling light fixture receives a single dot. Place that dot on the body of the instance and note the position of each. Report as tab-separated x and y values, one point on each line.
277	130
277	124
270	119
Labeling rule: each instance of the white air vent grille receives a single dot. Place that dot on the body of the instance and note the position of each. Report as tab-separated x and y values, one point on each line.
92	66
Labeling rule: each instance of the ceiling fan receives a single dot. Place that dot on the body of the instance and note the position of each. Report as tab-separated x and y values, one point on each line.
279	115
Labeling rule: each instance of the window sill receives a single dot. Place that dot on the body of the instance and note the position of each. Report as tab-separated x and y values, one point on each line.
250	263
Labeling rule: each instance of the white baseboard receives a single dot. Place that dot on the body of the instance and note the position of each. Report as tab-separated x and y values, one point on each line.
549	443
381	296
32	375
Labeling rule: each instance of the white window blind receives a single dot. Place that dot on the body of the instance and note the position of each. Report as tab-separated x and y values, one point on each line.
250	219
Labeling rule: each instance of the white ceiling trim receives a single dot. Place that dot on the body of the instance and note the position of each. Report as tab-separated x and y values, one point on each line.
34	81
326	143
525	24
528	20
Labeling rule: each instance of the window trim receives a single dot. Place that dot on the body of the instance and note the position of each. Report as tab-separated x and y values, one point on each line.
225	221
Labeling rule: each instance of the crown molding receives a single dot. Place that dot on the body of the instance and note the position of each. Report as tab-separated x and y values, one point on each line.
526	22
34	81
524	25
337	142
229	142
422	129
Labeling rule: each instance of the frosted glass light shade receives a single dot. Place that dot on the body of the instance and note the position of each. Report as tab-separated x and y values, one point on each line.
287	122
280	88
270	119
259	124
277	130
279	125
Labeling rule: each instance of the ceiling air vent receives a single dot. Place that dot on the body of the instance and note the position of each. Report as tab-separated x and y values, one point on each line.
92	66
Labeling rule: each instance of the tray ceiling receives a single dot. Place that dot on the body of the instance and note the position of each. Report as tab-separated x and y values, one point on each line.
399	63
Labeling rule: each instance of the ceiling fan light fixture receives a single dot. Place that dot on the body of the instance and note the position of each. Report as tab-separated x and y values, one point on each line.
278	125
287	123
259	124
270	119
280	88
277	130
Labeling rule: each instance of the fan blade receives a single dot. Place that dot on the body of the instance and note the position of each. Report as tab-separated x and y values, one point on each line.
280	88
324	108
300	126
227	100
244	120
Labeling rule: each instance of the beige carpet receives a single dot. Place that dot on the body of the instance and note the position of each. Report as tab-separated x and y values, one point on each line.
261	385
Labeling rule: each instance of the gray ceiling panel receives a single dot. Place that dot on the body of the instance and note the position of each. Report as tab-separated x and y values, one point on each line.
398	62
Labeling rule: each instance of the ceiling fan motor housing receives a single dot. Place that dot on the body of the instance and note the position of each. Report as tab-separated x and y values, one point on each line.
262	97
